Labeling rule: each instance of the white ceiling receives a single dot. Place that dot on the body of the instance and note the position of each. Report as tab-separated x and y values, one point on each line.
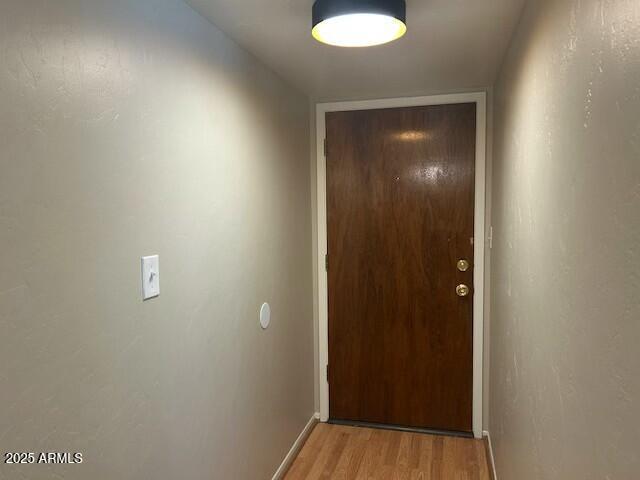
450	45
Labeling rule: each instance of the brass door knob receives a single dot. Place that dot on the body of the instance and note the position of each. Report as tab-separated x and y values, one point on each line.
462	290
463	265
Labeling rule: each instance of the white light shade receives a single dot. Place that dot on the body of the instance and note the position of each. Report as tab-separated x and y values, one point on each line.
359	30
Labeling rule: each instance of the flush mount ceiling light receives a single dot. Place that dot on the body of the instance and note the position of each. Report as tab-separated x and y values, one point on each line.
359	23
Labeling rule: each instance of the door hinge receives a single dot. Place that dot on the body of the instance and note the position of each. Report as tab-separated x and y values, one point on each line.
325	147
327	373
326	262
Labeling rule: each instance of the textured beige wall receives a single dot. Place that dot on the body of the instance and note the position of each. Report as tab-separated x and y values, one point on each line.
565	364
130	128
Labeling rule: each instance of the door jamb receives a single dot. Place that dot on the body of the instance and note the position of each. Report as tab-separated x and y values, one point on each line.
479	98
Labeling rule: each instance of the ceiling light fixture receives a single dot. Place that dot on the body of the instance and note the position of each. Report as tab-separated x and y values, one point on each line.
359	23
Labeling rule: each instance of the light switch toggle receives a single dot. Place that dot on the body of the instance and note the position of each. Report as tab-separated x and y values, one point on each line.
150	277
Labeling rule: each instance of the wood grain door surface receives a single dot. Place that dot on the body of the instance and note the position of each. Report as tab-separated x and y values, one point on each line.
400	212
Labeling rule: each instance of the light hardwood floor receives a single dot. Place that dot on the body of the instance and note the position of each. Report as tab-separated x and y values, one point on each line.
353	453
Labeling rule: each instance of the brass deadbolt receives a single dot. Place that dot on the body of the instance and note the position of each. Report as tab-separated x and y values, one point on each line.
463	265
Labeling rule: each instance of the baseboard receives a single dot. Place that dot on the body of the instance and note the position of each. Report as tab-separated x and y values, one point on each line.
490	458
295	449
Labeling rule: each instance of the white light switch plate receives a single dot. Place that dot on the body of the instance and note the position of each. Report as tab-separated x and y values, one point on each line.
150	277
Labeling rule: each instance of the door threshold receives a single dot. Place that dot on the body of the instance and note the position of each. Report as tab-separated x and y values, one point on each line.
400	428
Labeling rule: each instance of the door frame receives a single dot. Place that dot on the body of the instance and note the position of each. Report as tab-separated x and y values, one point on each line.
480	99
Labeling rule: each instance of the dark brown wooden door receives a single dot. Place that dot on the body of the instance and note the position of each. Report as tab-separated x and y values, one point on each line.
400	206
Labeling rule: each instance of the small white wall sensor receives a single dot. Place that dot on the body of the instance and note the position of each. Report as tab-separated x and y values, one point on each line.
265	316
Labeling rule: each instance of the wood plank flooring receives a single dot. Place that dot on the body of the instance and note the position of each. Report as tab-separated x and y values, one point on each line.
353	453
